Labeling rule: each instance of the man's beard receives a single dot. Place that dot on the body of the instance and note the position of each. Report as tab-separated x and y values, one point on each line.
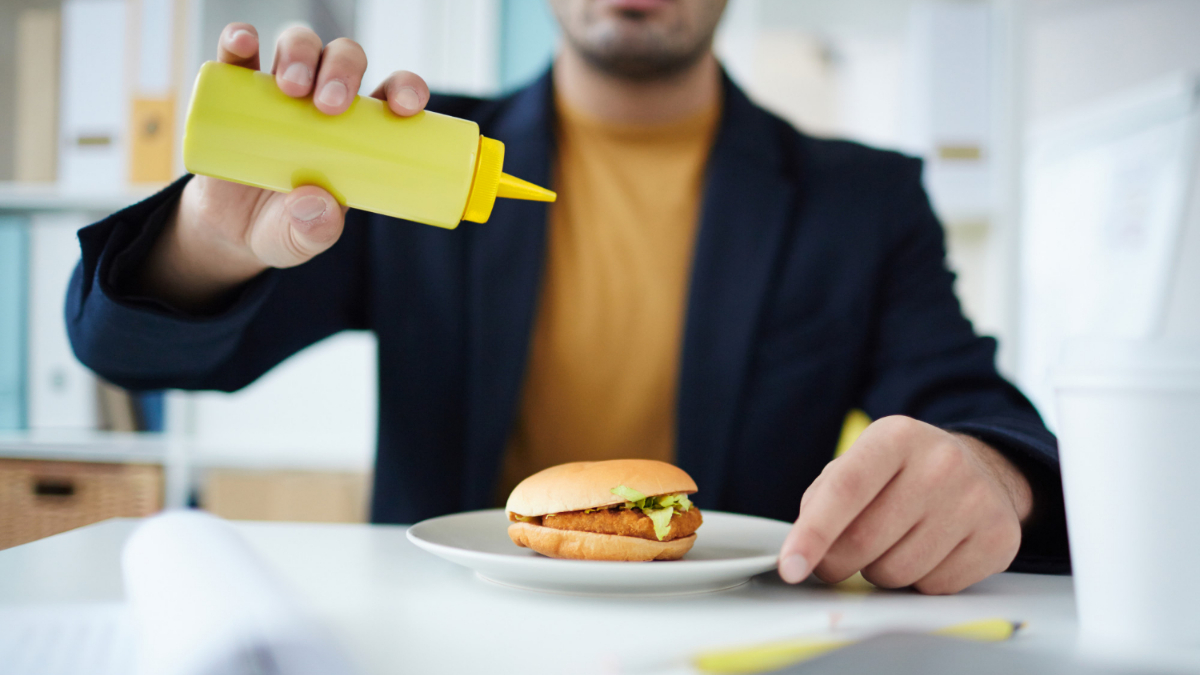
653	57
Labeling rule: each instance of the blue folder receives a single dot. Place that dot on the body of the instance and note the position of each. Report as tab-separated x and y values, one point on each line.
14	279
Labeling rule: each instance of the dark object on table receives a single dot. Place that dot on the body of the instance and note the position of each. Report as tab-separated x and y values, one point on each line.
917	654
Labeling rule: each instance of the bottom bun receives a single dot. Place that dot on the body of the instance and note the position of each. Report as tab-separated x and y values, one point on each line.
576	545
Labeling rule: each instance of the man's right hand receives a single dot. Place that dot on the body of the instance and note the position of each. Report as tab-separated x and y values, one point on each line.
223	234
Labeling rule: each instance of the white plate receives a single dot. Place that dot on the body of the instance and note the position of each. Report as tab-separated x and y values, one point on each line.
729	549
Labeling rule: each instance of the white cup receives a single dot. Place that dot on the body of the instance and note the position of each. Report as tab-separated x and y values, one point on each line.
1129	443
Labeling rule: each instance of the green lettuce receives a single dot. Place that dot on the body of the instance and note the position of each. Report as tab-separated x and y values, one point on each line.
662	521
628	494
659	509
637	500
679	501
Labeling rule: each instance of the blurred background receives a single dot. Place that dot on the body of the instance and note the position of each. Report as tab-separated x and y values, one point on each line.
1060	139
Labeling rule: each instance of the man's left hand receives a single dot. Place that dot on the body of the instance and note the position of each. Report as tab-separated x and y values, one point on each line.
909	504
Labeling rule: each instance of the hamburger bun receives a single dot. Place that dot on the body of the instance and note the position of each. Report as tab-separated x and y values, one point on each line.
588	485
575	545
569	511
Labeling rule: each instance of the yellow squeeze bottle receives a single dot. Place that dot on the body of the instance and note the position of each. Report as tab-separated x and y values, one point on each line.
428	168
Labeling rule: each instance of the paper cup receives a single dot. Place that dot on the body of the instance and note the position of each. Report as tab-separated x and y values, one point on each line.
1129	439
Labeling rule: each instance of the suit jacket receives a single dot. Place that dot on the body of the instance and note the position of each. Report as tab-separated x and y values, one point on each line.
819	284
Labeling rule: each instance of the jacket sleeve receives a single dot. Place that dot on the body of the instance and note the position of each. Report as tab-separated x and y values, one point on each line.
142	343
928	363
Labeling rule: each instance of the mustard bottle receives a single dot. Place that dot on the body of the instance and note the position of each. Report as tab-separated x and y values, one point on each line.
429	168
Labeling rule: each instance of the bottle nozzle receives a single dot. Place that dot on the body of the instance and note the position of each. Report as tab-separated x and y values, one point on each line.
515	188
491	182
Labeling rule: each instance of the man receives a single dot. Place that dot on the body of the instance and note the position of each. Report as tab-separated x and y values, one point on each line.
713	288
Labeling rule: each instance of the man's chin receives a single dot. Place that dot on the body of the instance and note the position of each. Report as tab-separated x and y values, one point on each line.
638	39
642	67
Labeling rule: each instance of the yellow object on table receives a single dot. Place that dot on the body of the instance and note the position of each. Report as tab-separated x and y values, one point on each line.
775	655
855	423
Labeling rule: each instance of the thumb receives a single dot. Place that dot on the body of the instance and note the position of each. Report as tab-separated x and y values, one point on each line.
312	221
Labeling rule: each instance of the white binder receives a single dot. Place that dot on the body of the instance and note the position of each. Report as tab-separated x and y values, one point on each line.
94	113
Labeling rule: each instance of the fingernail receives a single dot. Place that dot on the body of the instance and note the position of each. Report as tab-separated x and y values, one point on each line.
307	208
333	94
233	38
298	73
408	98
793	568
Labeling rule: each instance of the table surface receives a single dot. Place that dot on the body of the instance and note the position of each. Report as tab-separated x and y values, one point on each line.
390	603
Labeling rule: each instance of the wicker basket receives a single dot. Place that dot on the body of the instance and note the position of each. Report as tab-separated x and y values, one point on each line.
41	498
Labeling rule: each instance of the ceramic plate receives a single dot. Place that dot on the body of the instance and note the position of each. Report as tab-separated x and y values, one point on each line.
729	550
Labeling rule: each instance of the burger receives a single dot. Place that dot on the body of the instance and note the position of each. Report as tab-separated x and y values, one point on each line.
620	509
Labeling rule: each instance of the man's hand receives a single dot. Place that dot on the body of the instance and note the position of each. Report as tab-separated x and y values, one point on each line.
910	505
223	234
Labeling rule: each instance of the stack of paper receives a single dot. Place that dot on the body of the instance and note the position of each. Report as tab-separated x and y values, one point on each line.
199	602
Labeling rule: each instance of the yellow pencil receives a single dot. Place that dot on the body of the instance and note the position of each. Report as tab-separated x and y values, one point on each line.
775	655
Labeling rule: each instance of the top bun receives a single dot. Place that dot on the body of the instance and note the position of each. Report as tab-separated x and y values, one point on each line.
588	485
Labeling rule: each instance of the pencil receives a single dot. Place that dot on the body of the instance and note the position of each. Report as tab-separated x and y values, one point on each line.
775	655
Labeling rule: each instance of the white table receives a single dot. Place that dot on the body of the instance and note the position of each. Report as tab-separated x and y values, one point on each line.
396	608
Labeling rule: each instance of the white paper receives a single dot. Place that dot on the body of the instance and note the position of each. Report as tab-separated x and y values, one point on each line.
199	602
66	640
204	604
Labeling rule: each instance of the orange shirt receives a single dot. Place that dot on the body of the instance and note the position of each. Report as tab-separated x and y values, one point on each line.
604	358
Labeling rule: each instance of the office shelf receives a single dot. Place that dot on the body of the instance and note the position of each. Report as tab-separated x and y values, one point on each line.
82	445
35	197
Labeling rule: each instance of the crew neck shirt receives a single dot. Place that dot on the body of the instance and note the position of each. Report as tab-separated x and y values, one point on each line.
604	356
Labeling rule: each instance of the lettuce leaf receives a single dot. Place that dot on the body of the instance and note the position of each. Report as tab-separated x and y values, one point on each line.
659	509
679	501
662	521
637	500
628	494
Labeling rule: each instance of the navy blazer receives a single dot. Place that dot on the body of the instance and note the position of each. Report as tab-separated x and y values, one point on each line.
819	284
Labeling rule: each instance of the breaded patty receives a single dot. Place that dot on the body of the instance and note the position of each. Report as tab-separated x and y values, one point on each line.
624	522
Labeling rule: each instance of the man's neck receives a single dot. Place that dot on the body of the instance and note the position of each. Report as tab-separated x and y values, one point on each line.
621	100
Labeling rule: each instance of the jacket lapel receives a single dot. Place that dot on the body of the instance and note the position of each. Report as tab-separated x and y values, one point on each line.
505	264
747	199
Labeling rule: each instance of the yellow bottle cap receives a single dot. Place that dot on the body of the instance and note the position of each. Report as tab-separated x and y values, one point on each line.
491	182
